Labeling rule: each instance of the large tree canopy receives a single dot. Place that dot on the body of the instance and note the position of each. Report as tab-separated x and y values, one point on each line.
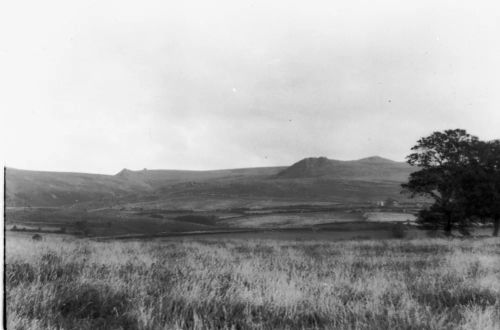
480	184
448	148
462	175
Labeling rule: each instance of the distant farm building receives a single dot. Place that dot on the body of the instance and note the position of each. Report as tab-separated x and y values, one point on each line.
389	202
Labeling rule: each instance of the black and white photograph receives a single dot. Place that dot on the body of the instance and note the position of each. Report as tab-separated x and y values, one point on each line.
250	164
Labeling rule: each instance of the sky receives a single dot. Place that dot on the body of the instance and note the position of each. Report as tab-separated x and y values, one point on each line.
97	86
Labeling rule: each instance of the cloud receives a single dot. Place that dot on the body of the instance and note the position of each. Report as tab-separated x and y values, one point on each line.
200	85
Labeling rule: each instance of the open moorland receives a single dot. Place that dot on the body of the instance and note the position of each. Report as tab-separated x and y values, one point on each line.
309	181
314	194
322	244
66	283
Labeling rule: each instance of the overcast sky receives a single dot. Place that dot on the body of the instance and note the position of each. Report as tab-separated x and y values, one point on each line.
96	86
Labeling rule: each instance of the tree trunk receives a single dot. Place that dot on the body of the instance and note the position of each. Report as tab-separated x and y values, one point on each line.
448	225
448	218
496	225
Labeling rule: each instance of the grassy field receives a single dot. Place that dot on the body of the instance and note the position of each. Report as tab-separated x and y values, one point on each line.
389	217
67	283
118	221
301	220
292	220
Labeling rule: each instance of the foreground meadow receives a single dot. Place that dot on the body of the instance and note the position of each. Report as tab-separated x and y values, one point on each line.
66	283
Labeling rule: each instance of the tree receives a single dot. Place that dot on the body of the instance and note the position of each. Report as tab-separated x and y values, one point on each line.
481	184
493	168
441	159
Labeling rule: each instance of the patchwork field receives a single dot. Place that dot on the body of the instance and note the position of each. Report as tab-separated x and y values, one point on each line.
222	283
106	222
389	217
301	220
293	220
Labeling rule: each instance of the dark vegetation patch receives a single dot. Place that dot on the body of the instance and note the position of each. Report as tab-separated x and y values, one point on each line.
74	305
198	218
440	299
449	291
98	305
422	249
254	250
212	242
20	272
399	230
407	249
320	251
49	268
225	314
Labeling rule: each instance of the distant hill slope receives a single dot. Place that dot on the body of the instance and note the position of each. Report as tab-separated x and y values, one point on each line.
366	169
37	188
309	180
160	178
40	188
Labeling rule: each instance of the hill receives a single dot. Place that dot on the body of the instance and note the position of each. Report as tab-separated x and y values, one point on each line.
159	178
39	188
307	181
367	169
45	189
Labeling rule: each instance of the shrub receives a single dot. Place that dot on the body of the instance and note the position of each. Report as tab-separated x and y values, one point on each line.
90	301
399	231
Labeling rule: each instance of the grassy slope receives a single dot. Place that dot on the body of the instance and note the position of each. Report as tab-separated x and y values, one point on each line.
214	284
292	220
334	181
37	188
366	169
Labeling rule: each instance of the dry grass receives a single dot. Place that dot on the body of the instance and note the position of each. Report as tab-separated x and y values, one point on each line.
257	284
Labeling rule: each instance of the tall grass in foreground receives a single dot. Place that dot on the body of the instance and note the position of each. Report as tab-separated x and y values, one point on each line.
237	284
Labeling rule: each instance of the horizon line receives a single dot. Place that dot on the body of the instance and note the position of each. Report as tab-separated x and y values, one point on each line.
205	170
